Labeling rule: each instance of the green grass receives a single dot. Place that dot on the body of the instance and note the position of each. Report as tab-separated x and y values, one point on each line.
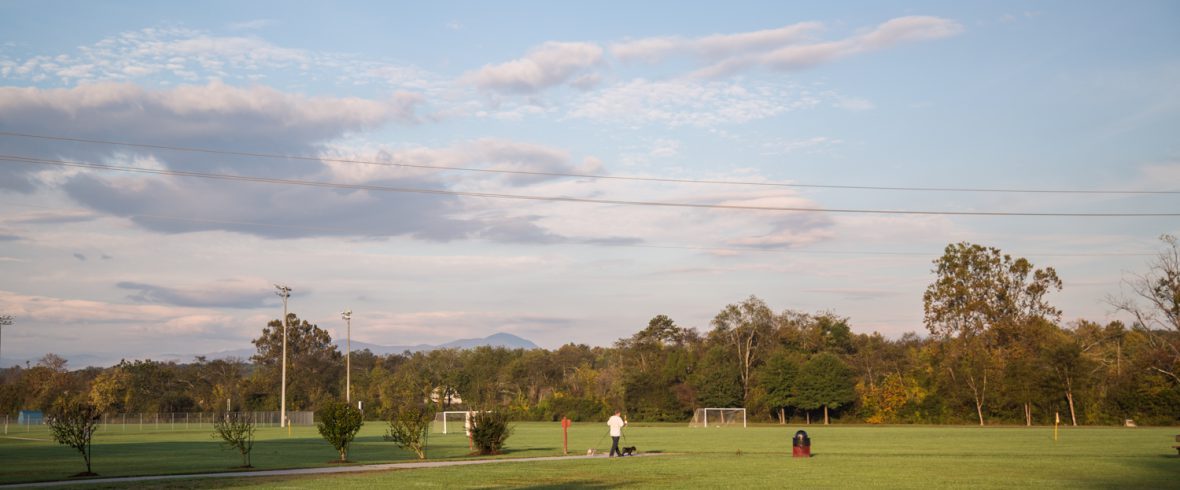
757	457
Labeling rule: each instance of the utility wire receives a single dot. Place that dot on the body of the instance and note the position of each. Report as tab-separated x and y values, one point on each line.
377	188
584	176
700	248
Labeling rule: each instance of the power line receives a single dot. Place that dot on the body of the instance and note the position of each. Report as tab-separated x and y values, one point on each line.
377	188
587	176
700	248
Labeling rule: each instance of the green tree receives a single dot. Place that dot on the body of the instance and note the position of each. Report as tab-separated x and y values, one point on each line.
315	366
236	431
747	328
73	423
825	381
779	378
976	289
718	380
339	423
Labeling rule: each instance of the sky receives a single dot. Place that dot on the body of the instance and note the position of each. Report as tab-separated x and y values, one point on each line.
562	171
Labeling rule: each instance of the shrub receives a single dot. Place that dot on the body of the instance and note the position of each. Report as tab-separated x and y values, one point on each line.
339	423
489	431
409	427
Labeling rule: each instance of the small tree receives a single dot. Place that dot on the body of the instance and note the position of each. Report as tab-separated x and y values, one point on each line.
409	427
236	431
339	423
73	423
489	430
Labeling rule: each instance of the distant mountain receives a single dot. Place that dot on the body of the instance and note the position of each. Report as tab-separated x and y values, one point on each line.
77	361
505	340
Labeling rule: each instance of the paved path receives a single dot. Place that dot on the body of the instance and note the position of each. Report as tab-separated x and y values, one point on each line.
305	471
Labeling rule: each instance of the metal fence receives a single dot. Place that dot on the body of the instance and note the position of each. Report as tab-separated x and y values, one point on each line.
175	421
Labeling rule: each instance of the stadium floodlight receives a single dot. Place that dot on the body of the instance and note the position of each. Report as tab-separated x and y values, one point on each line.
718	417
347	316
283	292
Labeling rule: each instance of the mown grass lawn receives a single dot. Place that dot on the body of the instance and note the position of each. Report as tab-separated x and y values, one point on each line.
756	457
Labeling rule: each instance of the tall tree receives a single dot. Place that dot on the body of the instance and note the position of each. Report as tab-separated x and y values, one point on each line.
976	289
825	381
779	378
315	367
746	327
1156	307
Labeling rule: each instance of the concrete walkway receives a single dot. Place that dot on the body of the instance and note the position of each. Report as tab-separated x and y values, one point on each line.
303	471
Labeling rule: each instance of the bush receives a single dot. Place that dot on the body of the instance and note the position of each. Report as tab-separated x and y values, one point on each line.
339	423
489	431
409	427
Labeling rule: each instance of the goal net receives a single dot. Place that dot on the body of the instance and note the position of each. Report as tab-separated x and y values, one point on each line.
451	422
718	417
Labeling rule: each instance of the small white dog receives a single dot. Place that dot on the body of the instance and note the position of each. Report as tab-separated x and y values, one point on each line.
590	452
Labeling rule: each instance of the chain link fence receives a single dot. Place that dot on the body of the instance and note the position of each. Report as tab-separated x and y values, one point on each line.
169	421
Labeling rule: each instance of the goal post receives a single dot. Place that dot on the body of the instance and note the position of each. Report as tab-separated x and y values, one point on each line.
451	422
718	417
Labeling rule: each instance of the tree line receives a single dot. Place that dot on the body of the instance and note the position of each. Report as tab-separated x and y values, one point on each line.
996	353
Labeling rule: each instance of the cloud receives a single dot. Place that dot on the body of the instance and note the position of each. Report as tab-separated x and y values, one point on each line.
214	116
164	54
230	293
714	46
80	257
689	103
813	144
789	48
548	65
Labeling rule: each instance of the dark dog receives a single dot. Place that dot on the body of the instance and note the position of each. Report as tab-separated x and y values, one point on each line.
628	451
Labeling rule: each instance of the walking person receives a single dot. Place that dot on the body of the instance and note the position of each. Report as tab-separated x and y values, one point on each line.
616	424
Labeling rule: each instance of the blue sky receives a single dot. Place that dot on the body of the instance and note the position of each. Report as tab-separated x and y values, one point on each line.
979	95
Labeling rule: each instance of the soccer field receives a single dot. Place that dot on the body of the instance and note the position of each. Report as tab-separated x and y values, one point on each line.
755	457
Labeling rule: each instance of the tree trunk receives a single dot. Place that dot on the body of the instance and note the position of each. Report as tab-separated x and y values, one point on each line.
782	416
1027	414
1072	415
825	414
808	412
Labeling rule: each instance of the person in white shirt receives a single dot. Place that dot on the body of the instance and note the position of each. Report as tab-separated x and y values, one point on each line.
616	424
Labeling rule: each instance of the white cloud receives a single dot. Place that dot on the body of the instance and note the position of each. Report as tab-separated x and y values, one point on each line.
782	147
157	53
664	148
713	46
787	48
688	103
548	65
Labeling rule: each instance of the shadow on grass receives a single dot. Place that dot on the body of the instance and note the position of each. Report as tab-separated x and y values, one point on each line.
570	484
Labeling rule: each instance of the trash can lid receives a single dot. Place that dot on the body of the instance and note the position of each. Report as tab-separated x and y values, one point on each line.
801	434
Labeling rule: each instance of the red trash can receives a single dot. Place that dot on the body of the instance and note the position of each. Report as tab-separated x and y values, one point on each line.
801	445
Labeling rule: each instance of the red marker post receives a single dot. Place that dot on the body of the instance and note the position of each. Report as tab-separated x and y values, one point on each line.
565	436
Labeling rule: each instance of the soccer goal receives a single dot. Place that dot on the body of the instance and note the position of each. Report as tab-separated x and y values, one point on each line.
718	417
452	422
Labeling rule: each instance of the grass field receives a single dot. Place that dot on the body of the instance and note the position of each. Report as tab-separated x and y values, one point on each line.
756	457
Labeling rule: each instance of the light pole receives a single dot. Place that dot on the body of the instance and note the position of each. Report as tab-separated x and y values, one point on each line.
5	320
284	292
347	316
